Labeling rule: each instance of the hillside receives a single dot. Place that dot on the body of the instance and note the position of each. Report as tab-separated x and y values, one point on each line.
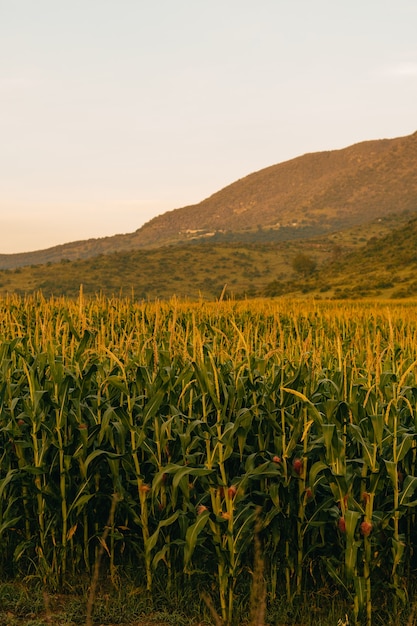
305	197
385	266
380	261
316	193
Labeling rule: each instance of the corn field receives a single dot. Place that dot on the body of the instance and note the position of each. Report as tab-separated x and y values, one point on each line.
210	428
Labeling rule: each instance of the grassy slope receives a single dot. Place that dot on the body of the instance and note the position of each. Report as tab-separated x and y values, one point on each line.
385	266
355	262
388	264
188	271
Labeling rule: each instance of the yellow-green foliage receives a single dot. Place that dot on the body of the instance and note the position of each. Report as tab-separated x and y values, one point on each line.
208	420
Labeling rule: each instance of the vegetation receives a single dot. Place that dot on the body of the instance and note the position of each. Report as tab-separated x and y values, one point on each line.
304	264
212	447
350	264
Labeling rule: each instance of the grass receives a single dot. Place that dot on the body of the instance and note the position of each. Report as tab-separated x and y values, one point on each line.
27	605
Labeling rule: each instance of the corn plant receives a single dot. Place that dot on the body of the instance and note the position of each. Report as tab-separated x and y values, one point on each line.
213	423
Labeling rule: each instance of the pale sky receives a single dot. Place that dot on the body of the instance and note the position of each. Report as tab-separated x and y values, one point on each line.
114	111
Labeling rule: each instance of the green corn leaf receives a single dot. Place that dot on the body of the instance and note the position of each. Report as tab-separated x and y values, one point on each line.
86	339
80	502
191	536
150	543
6	480
274	495
118	382
21	549
397	549
34	471
378	425
407	492
153	405
366	446
244	528
328	435
351	549
404	446
189	471
97	453
265	470
311	408
335	574
316	469
392	471
9	524
160	556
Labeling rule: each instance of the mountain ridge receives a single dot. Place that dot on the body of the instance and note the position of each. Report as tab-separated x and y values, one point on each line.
309	195
336	179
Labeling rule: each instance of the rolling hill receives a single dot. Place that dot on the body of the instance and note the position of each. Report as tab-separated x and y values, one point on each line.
311	195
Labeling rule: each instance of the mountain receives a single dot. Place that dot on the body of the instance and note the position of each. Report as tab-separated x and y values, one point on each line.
308	196
314	193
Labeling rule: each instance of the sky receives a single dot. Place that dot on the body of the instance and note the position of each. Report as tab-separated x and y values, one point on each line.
115	111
